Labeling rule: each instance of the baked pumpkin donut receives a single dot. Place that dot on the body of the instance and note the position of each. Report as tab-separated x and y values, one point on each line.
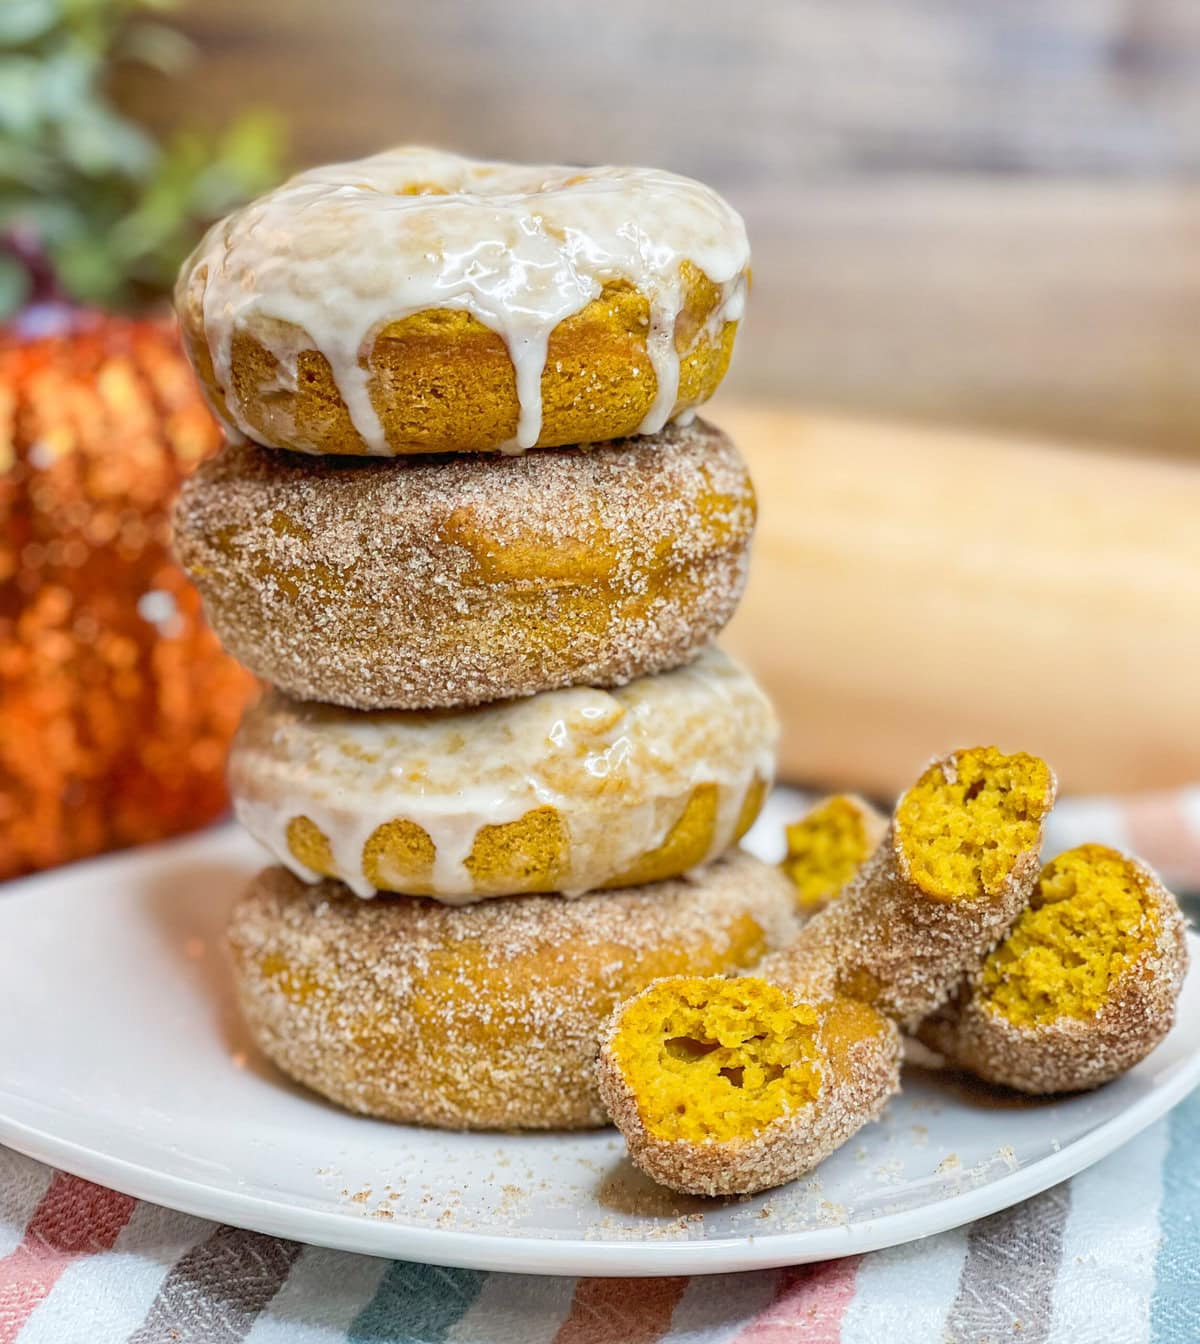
1083	987
828	846
956	866
483	1017
566	791
728	1087
419	302
453	581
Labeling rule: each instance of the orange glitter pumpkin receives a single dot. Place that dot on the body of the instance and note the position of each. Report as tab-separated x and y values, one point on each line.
116	702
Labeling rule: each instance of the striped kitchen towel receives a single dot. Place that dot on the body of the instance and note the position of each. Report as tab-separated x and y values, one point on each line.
1110	1257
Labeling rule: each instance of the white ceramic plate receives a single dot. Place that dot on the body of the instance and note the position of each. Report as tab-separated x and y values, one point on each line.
122	1060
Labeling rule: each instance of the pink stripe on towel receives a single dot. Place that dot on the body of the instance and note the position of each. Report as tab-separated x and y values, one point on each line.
809	1306
73	1219
1161	833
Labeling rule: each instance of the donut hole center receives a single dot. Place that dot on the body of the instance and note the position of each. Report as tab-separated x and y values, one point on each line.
717	1060
1090	918
964	824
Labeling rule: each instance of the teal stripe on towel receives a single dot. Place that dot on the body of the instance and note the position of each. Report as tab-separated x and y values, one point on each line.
1176	1310
416	1304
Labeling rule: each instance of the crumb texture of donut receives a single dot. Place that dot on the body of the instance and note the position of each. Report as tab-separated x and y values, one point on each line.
717	1061
827	847
441	583
1086	925
486	1016
1081	989
442	382
956	866
964	824
729	1086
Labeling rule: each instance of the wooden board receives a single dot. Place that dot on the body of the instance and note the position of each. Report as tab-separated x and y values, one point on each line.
917	590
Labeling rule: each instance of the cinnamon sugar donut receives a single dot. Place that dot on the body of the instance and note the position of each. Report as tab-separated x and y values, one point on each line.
728	1087
1082	988
565	791
483	1017
419	302
956	866
453	581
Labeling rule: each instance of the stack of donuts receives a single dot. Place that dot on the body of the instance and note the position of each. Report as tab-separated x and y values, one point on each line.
468	532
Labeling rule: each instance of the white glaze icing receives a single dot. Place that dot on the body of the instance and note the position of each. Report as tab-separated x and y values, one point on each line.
338	252
616	764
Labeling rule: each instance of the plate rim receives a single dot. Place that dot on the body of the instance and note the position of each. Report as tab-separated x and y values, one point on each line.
575	1256
585	1257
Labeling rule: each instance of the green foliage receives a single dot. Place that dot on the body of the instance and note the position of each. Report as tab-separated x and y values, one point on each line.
110	209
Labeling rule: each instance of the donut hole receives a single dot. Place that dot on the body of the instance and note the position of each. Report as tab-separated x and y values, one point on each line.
710	1059
967	821
825	849
1090	918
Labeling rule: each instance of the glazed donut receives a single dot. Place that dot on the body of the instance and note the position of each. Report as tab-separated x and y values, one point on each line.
956	867
482	1017
567	791
455	581
827	847
727	1087
1081	989
418	302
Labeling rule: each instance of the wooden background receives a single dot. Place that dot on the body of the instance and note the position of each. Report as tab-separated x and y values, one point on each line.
982	213
974	211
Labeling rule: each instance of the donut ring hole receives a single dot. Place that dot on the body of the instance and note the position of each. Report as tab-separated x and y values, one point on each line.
963	826
1090	919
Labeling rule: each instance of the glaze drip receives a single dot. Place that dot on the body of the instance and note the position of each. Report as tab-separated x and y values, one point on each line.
611	763
520	248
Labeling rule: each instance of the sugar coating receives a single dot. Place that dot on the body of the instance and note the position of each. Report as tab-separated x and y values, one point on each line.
433	583
487	1016
768	1132
567	791
1047	1013
956	867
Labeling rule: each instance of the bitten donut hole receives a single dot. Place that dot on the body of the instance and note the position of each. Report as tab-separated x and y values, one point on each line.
1089	920
966	822
717	1060
825	849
